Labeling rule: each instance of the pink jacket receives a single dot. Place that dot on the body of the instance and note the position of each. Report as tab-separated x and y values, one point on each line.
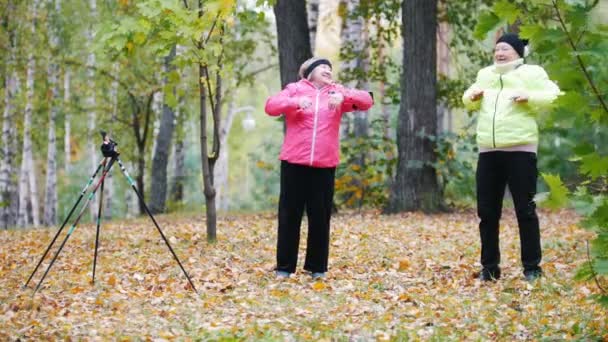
313	134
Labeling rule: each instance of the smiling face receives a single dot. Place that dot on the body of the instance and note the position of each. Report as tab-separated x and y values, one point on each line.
504	53
321	75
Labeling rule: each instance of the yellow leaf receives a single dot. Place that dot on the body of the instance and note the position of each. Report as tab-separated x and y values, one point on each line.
404	265
112	280
318	286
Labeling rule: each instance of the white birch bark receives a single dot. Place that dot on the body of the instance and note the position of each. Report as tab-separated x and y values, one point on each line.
109	183
28	191
50	199
353	36
67	143
312	9
8	214
91	102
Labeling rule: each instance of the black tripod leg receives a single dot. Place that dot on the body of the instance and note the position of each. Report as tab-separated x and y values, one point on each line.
82	210
132	183
98	228
84	190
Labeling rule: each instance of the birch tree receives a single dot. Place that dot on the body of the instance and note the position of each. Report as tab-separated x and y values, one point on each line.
91	100
8	191
28	191
50	202
312	7
67	143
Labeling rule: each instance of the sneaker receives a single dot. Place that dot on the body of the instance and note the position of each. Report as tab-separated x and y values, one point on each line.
318	275
532	275
487	274
282	274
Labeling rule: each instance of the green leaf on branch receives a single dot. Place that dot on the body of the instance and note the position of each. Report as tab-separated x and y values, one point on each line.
506	10
601	266
594	165
487	22
558	193
531	31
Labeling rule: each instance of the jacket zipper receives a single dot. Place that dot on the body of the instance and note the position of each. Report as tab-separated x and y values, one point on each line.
314	129
494	116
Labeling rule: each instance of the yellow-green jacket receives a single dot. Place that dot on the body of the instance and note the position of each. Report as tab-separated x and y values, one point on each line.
503	122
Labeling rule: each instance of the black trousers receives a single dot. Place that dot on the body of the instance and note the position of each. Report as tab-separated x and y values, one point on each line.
518	170
311	188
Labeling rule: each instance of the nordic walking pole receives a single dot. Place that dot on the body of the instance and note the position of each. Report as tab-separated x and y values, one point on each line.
98	228
84	190
132	183
82	210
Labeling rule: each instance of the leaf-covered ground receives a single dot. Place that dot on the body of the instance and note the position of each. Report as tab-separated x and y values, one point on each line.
398	277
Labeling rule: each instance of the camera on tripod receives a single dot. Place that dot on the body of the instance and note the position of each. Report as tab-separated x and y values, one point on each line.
108	147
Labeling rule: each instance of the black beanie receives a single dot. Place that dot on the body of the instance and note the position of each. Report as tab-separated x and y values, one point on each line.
512	39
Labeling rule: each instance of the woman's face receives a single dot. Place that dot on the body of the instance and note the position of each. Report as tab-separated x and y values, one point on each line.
504	53
322	74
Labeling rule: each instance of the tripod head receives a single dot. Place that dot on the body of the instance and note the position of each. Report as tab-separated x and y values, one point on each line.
108	147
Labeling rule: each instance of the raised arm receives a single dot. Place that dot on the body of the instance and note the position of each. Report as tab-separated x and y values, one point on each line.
282	103
471	102
355	99
541	90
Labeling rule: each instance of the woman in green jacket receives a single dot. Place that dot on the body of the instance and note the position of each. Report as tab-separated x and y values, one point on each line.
509	95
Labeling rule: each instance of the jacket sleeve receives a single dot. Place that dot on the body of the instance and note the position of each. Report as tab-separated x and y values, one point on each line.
466	97
541	90
284	102
355	99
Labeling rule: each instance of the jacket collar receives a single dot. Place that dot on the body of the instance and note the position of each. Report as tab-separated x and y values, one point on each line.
504	68
310	84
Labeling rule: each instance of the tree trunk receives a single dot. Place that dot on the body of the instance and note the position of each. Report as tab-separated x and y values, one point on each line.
177	188
140	132
208	189
50	199
91	102
353	38
108	196
28	191
444	121
313	19
67	143
221	167
163	147
415	185
131	200
8	191
293	38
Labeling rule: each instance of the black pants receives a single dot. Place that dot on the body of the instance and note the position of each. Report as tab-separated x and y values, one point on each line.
311	188
518	170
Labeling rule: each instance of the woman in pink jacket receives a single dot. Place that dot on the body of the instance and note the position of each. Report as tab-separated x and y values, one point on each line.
312	108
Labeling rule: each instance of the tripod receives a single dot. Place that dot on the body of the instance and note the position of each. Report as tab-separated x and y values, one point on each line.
108	149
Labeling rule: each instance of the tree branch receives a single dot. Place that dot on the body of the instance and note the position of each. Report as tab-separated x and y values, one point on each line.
597	281
578	58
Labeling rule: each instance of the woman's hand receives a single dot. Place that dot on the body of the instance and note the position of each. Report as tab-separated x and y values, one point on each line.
476	95
304	102
335	100
520	97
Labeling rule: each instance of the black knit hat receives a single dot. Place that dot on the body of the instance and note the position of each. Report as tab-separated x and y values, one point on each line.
512	39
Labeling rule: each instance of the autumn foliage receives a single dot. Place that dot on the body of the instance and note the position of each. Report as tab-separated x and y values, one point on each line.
391	278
